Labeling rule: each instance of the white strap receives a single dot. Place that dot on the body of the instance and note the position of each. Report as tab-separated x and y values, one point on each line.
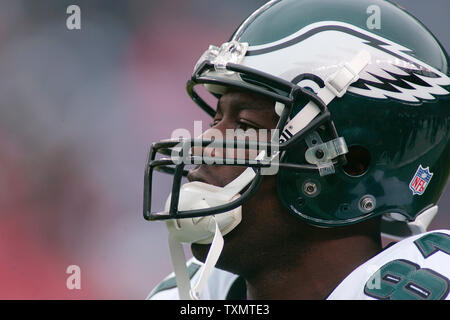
179	265
238	184
180	269
338	83
335	86
213	255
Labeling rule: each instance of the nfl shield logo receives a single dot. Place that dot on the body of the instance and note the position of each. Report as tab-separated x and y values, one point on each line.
420	180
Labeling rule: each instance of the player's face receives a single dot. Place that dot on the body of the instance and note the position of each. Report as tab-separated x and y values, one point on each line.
236	111
264	226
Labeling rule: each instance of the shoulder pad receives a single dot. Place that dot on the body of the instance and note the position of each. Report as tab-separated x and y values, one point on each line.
170	283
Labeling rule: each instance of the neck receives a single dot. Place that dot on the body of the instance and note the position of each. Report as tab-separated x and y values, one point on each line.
311	273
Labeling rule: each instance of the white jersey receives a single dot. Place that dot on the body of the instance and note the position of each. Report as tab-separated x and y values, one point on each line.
415	268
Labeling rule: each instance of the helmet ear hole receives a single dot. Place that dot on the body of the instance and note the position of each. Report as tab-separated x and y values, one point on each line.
358	160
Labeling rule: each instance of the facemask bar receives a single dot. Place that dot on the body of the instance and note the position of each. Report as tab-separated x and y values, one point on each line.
276	89
279	90
178	172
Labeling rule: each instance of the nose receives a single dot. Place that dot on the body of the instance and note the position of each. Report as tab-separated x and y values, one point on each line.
214	134
203	172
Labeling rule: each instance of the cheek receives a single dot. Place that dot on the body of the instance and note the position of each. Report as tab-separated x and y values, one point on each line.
263	216
265	227
265	221
263	208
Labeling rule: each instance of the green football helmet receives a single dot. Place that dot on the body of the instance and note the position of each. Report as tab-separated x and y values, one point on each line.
362	93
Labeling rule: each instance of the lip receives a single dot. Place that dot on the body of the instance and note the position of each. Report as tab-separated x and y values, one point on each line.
194	175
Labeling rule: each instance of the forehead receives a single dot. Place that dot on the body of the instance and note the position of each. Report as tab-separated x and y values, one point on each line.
236	100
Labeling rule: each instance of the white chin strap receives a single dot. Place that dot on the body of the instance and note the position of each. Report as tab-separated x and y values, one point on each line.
203	230
180	270
198	195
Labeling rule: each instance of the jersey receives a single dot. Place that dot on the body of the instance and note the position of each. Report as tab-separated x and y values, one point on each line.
416	268
218	287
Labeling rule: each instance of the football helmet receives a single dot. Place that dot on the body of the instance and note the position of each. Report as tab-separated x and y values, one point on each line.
364	119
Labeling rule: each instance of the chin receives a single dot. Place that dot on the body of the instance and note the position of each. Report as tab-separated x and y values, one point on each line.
200	251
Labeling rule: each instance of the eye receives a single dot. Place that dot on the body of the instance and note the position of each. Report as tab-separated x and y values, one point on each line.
242	126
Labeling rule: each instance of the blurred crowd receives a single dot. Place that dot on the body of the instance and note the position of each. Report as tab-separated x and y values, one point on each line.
78	111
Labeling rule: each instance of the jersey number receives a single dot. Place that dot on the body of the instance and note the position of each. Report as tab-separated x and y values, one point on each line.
404	280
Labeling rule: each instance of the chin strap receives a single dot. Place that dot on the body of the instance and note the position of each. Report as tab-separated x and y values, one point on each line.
336	85
180	269
176	250
213	255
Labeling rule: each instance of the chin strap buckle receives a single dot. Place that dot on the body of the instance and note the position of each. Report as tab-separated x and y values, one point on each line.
339	82
321	154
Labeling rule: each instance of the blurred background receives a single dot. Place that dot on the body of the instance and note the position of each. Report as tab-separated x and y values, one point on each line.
78	112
